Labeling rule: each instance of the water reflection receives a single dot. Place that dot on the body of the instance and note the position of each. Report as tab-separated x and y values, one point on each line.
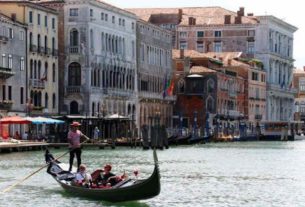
221	174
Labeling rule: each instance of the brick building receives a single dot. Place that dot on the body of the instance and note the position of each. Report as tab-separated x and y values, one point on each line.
299	85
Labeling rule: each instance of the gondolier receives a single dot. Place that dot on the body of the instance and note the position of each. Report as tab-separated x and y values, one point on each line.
74	137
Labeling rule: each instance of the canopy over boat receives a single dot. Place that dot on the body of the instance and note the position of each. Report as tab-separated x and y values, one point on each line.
126	190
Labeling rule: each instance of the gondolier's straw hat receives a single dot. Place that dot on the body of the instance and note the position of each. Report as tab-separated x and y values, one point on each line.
75	123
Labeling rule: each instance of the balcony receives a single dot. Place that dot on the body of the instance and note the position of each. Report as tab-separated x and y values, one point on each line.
118	92
73	90
159	96
232	94
6	105
258	116
3	38
55	53
74	50
47	51
35	83
33	48
6	73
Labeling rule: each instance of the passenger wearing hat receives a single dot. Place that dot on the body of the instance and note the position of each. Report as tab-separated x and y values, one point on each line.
74	137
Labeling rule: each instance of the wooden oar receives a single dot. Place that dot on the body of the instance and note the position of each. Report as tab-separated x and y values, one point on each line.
42	167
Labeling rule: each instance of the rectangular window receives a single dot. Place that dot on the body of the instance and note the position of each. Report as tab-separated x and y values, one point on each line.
183	34
251	48
106	17
91	12
200	47
11	33
132	25
53	23
3	92
102	16
200	34
251	33
38	19
10	61
21	63
120	21
254	76
21	95
123	23
10	93
217	47
3	61
46	21
183	45
73	12
21	35
113	19
30	17
217	33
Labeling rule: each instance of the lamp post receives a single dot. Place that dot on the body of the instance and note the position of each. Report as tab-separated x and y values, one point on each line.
195	124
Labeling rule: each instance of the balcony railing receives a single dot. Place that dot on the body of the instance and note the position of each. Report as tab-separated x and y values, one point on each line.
5	73
73	89
39	84
33	48
6	105
74	50
3	38
258	116
55	52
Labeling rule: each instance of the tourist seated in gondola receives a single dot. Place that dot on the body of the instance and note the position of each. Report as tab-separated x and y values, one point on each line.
82	177
105	177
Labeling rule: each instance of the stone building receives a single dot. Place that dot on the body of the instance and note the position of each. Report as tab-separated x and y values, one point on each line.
215	29
154	52
12	66
42	58
299	85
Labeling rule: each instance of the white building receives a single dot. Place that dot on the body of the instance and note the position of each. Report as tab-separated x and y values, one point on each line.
100	74
274	46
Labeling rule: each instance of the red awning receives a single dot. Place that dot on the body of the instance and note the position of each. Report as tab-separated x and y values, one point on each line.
14	120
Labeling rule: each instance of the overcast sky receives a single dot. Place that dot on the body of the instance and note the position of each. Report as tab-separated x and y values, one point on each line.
291	12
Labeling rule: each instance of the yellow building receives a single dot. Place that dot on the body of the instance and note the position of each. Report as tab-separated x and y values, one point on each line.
42	53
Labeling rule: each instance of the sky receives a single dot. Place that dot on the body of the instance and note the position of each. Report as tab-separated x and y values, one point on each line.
291	12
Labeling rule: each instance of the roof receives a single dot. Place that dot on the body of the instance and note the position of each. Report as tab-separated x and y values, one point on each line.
4	18
32	4
189	53
203	15
226	56
201	69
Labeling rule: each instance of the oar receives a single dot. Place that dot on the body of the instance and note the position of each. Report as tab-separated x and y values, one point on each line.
42	167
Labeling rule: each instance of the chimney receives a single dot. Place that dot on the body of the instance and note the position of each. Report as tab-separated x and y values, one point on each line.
227	19
250	14
181	53
229	61
241	12
13	16
238	20
180	13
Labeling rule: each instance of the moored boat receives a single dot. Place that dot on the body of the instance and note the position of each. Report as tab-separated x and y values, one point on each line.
126	190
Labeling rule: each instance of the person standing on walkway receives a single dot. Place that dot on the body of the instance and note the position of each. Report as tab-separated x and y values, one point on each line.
74	137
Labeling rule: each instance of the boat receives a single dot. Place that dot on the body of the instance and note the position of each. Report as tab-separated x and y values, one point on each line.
126	190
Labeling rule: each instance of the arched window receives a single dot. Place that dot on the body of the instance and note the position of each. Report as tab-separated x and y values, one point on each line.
181	86
74	75
74	107
38	42
210	86
74	38
45	44
54	73
93	108
39	69
54	101
31	69
46	100
210	105
45	74
31	41
91	39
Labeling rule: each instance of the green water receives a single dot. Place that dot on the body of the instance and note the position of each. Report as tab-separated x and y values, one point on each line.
258	174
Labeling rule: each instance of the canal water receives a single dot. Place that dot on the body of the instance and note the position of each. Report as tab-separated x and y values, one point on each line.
217	174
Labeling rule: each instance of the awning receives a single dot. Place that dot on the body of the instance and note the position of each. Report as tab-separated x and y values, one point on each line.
14	120
43	120
116	116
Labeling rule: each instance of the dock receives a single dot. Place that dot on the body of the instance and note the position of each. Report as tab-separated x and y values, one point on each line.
6	147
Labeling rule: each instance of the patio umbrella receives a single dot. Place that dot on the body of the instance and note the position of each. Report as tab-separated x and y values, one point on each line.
14	120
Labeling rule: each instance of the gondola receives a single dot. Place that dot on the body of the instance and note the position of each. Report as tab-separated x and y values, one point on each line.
126	190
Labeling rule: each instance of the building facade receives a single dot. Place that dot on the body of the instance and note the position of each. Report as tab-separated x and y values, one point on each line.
274	46
154	52
42	58
12	66
100	71
299	85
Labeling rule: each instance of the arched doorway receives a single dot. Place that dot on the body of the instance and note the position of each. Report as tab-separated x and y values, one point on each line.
74	107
